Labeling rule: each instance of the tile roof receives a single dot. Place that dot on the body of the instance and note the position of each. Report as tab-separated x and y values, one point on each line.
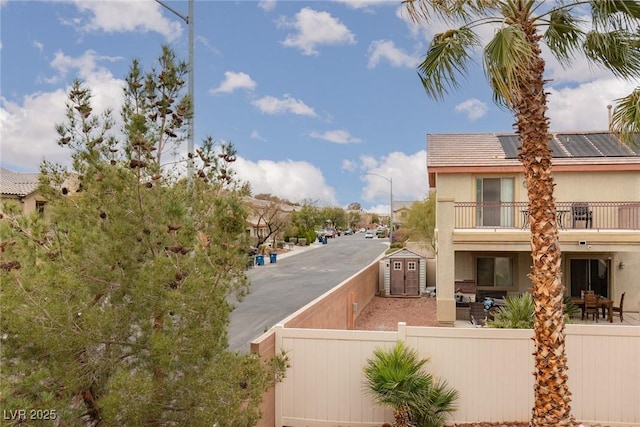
485	149
18	183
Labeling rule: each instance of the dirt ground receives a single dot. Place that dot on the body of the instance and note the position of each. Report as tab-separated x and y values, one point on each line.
383	314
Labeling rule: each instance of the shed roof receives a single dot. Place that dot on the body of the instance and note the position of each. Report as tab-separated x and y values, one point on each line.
18	183
404	252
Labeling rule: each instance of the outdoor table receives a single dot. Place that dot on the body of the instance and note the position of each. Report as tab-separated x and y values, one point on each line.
602	302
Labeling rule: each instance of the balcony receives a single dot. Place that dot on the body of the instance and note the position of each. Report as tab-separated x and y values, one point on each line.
571	215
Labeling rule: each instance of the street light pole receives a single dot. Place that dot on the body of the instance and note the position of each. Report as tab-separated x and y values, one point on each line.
390	181
191	128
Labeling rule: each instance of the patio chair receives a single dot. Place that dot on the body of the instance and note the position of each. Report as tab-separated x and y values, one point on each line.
619	309
580	212
477	314
591	306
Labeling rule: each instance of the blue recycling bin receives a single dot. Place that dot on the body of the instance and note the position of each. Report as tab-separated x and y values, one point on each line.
324	240
273	258
259	259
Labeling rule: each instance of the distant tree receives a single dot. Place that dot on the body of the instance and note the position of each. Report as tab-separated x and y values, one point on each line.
115	310
271	220
353	218
335	215
421	221
375	219
355	206
307	218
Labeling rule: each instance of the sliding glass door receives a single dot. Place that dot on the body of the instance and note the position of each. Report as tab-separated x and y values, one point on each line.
495	202
589	274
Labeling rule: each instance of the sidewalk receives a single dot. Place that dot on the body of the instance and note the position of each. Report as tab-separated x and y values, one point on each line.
295	250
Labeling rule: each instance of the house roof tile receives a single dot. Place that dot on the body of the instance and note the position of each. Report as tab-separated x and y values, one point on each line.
18	183
486	150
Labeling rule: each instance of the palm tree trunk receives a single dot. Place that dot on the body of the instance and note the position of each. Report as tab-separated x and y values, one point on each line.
552	396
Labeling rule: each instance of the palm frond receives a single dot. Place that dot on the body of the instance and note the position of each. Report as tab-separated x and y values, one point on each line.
451	11
563	35
505	56
617	50
446	60
615	13
625	120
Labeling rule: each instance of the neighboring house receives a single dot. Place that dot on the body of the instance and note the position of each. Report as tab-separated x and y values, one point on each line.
482	227
22	189
400	213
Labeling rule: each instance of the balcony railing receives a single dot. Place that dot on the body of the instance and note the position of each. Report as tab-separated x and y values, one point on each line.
571	215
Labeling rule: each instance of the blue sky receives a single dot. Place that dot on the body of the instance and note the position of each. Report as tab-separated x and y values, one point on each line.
314	95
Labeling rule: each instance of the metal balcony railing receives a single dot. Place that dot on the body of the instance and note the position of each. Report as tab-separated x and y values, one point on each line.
571	215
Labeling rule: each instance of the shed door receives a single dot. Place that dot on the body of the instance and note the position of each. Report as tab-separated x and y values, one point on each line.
397	277
411	278
405	277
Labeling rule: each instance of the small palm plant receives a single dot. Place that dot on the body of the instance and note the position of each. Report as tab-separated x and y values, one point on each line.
396	379
518	312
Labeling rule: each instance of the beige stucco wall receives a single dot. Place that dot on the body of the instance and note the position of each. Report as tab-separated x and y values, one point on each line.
608	186
597	186
27	204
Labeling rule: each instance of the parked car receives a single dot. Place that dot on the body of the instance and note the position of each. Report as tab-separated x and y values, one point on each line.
348	232
330	233
362	230
368	235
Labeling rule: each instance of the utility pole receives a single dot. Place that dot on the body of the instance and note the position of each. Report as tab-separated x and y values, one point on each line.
190	128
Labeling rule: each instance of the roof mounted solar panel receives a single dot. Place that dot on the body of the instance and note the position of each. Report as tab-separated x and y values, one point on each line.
510	144
610	146
578	145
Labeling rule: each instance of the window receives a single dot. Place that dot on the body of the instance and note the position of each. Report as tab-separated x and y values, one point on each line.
495	197
40	207
411	265
397	265
495	271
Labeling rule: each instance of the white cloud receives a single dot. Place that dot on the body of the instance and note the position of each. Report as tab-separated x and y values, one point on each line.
288	179
473	108
256	135
315	28
267	5
338	136
349	165
235	80
366	4
125	16
28	129
387	50
408	173
288	104
584	107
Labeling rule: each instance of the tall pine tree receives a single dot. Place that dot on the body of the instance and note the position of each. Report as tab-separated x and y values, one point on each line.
115	304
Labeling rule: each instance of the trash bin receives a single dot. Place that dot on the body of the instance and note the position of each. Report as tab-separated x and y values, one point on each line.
273	258
259	259
324	240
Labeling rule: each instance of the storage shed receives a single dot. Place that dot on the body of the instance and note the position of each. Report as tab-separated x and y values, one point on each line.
404	273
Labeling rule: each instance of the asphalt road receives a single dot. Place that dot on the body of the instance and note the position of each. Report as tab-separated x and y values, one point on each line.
280	289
